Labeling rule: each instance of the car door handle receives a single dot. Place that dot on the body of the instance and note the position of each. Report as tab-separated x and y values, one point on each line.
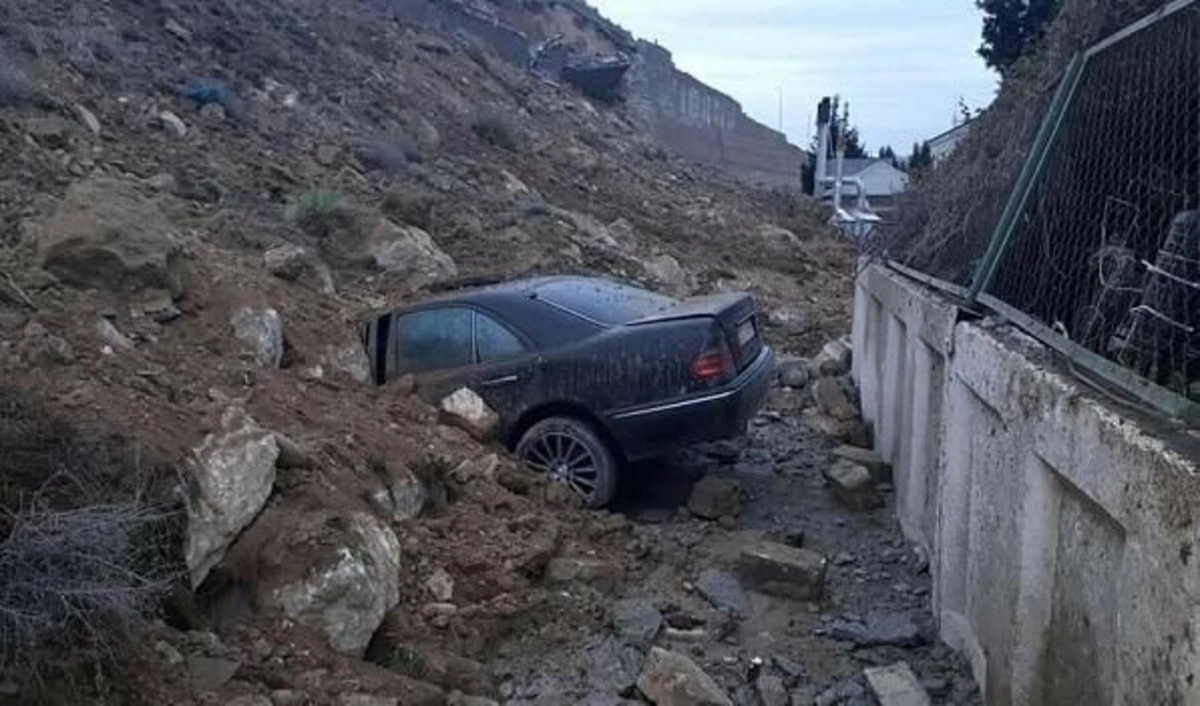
501	381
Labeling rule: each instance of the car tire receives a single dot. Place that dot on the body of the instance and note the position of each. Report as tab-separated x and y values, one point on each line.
571	452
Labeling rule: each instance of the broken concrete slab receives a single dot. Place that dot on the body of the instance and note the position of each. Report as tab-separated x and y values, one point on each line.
715	497
636	620
780	570
853	487
671	679
880	629
896	685
833	399
771	691
723	590
881	471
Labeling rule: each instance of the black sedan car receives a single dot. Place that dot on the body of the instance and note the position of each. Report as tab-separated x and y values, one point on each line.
585	374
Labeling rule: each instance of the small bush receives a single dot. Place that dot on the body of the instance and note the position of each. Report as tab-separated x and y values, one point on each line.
318	212
495	131
83	578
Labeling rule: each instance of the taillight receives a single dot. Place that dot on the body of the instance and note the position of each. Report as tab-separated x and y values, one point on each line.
713	365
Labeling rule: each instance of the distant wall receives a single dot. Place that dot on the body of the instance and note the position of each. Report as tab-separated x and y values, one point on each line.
701	123
684	115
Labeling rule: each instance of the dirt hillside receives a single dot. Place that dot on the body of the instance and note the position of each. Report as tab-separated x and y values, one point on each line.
199	201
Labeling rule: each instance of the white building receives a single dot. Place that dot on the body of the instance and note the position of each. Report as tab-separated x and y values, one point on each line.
880	179
942	145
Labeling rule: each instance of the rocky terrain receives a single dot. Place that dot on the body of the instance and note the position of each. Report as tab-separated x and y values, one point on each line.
205	502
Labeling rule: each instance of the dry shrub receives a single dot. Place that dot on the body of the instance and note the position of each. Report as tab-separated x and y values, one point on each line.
946	219
89	540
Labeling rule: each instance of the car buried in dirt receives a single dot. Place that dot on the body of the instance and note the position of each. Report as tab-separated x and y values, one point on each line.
586	375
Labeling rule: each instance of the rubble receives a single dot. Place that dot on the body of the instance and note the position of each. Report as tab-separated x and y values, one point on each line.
778	569
468	411
834	360
879	629
881	471
716	497
636	620
896	685
723	590
671	679
853	486
832	400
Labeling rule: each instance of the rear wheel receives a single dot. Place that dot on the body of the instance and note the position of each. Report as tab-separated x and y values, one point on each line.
569	451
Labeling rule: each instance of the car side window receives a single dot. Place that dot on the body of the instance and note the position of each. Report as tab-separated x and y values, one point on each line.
434	339
495	342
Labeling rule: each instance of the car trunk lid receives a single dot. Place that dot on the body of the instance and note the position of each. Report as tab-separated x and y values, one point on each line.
735	313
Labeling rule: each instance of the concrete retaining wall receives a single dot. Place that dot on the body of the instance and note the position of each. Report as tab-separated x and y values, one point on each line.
700	123
1062	534
683	114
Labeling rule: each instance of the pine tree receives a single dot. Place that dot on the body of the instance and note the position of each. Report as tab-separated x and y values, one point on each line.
1010	28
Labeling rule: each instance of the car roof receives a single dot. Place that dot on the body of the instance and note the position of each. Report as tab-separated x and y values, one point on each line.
514	302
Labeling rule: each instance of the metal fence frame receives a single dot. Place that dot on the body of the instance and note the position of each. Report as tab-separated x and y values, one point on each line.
1160	399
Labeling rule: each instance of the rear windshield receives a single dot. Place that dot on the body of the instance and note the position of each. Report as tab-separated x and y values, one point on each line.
603	302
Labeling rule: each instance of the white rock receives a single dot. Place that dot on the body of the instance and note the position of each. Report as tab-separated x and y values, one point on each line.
440	585
172	123
88	118
350	359
468	411
350	588
261	330
896	685
231	476
111	336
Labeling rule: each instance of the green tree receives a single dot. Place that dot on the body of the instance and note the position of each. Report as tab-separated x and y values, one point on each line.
1010	27
886	152
921	157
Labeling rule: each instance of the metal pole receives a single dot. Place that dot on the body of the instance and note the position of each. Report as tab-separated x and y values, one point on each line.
1030	172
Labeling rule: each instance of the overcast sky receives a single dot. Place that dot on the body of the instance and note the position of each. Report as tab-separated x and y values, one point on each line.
901	64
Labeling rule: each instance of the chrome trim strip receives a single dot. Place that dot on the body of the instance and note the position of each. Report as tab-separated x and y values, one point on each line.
677	405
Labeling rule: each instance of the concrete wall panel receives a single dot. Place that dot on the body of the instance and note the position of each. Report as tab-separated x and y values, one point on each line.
1062	533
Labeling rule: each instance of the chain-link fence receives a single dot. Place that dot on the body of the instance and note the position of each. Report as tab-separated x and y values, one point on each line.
1100	241
1107	247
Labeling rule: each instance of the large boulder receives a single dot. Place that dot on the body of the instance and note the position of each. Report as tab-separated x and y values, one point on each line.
338	574
106	235
671	679
231	475
260	330
409	252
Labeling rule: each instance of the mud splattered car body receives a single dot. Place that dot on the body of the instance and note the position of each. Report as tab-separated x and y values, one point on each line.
642	372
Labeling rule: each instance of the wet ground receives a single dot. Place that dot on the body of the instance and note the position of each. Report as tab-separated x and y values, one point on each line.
877	588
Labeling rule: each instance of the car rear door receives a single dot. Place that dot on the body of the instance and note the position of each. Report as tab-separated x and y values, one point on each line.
507	366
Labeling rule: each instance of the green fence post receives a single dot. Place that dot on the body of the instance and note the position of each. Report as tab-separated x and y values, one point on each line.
1030	172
